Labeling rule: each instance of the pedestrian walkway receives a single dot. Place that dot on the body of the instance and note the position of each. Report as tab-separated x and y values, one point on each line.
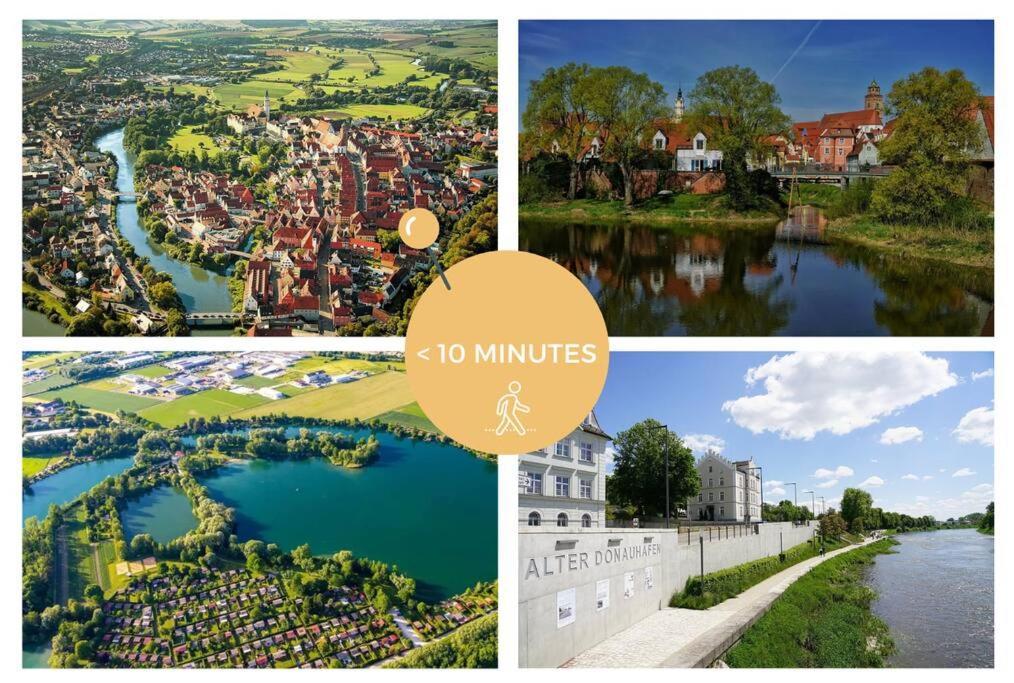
687	638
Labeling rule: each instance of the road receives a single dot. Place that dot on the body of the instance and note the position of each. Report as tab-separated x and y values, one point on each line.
325	323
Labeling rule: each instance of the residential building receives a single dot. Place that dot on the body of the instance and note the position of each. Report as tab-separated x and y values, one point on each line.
564	484
730	490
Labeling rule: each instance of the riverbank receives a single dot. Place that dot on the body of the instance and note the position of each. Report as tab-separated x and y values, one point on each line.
824	619
970	248
662	211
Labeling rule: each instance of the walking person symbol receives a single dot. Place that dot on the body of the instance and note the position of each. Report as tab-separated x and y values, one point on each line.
508	407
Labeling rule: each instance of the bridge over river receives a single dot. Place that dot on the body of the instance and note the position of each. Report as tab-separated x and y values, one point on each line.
840	178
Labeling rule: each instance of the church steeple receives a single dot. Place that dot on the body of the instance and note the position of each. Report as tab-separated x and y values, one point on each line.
874	100
267	106
679	107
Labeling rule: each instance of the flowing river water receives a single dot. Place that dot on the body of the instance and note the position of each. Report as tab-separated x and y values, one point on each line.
935	592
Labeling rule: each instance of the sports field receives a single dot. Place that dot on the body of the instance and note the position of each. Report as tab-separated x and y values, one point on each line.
105	401
203	404
363	399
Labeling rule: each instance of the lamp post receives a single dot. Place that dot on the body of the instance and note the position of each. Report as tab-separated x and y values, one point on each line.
665	447
823	505
813	503
795	501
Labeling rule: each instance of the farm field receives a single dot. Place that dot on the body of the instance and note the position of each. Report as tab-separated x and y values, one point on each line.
44	360
476	44
186	140
105	401
242	95
213	402
155	370
363	399
54	381
410	415
30	466
337	366
384	111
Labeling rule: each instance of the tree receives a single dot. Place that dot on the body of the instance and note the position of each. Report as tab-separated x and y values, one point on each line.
855	505
141	545
935	132
737	111
986	523
627	104
176	324
832	526
638	477
558	114
163	294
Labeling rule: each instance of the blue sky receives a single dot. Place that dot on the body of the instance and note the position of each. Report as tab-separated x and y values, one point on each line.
829	71
915	430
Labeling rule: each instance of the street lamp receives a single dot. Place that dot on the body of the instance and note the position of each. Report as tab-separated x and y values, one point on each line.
665	446
795	501
813	503
823	505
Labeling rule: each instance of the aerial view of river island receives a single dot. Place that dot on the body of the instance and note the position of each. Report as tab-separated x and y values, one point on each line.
249	177
747	178
248	510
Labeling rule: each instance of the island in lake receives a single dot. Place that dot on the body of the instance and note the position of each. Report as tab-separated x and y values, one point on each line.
248	510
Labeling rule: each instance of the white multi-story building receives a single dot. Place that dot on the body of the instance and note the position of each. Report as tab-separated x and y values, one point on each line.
730	490
564	484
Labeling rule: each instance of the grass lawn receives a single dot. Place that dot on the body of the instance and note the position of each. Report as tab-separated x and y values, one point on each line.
105	401
155	370
109	580
821	620
364	399
203	404
242	95
186	140
255	382
81	555
409	416
49	302
678	208
30	466
44	360
337	366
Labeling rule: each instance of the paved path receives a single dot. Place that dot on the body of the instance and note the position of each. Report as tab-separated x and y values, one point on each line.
686	638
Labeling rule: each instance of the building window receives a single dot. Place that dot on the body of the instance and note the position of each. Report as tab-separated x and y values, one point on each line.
586	487
721	481
659	143
711	496
534	519
534	486
586	521
721	511
561	519
586	452
699	143
709	468
721	495
711	482
563	449
562	487
700	497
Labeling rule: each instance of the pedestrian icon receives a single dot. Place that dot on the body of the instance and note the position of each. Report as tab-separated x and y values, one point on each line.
507	409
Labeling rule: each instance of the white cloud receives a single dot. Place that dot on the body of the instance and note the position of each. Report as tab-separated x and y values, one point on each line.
806	393
982	375
827	484
973	500
911	477
840	471
610	458
976	427
777	491
773	483
873	482
702	443
927	477
896	435
963	472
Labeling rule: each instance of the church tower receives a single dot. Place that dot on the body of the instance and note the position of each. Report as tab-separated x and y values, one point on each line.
874	100
267	106
679	107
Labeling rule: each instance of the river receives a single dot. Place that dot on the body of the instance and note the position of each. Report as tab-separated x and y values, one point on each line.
936	595
66	485
429	508
200	290
698	279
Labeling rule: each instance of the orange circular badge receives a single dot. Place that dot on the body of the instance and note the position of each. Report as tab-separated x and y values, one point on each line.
419	228
509	355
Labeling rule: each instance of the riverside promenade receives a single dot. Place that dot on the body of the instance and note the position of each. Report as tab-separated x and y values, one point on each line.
689	638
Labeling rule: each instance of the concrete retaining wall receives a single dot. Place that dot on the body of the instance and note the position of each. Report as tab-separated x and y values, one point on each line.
654	563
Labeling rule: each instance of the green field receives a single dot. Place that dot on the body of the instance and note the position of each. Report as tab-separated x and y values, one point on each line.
363	399
105	401
31	466
44	360
242	95
81	556
203	404
155	370
186	140
409	416
402	112
54	381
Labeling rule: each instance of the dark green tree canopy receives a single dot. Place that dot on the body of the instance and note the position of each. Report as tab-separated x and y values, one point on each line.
638	479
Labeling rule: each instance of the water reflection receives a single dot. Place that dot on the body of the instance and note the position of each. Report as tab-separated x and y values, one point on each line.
695	279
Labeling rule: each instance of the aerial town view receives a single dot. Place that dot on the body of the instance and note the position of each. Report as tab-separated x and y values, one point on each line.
248	177
745	177
796	510
248	510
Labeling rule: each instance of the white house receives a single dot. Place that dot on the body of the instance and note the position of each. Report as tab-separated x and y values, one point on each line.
730	490
698	158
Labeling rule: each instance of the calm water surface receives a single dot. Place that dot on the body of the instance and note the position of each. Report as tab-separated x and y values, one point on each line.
164	512
200	289
68	484
430	509
779	280
936	595
36	324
